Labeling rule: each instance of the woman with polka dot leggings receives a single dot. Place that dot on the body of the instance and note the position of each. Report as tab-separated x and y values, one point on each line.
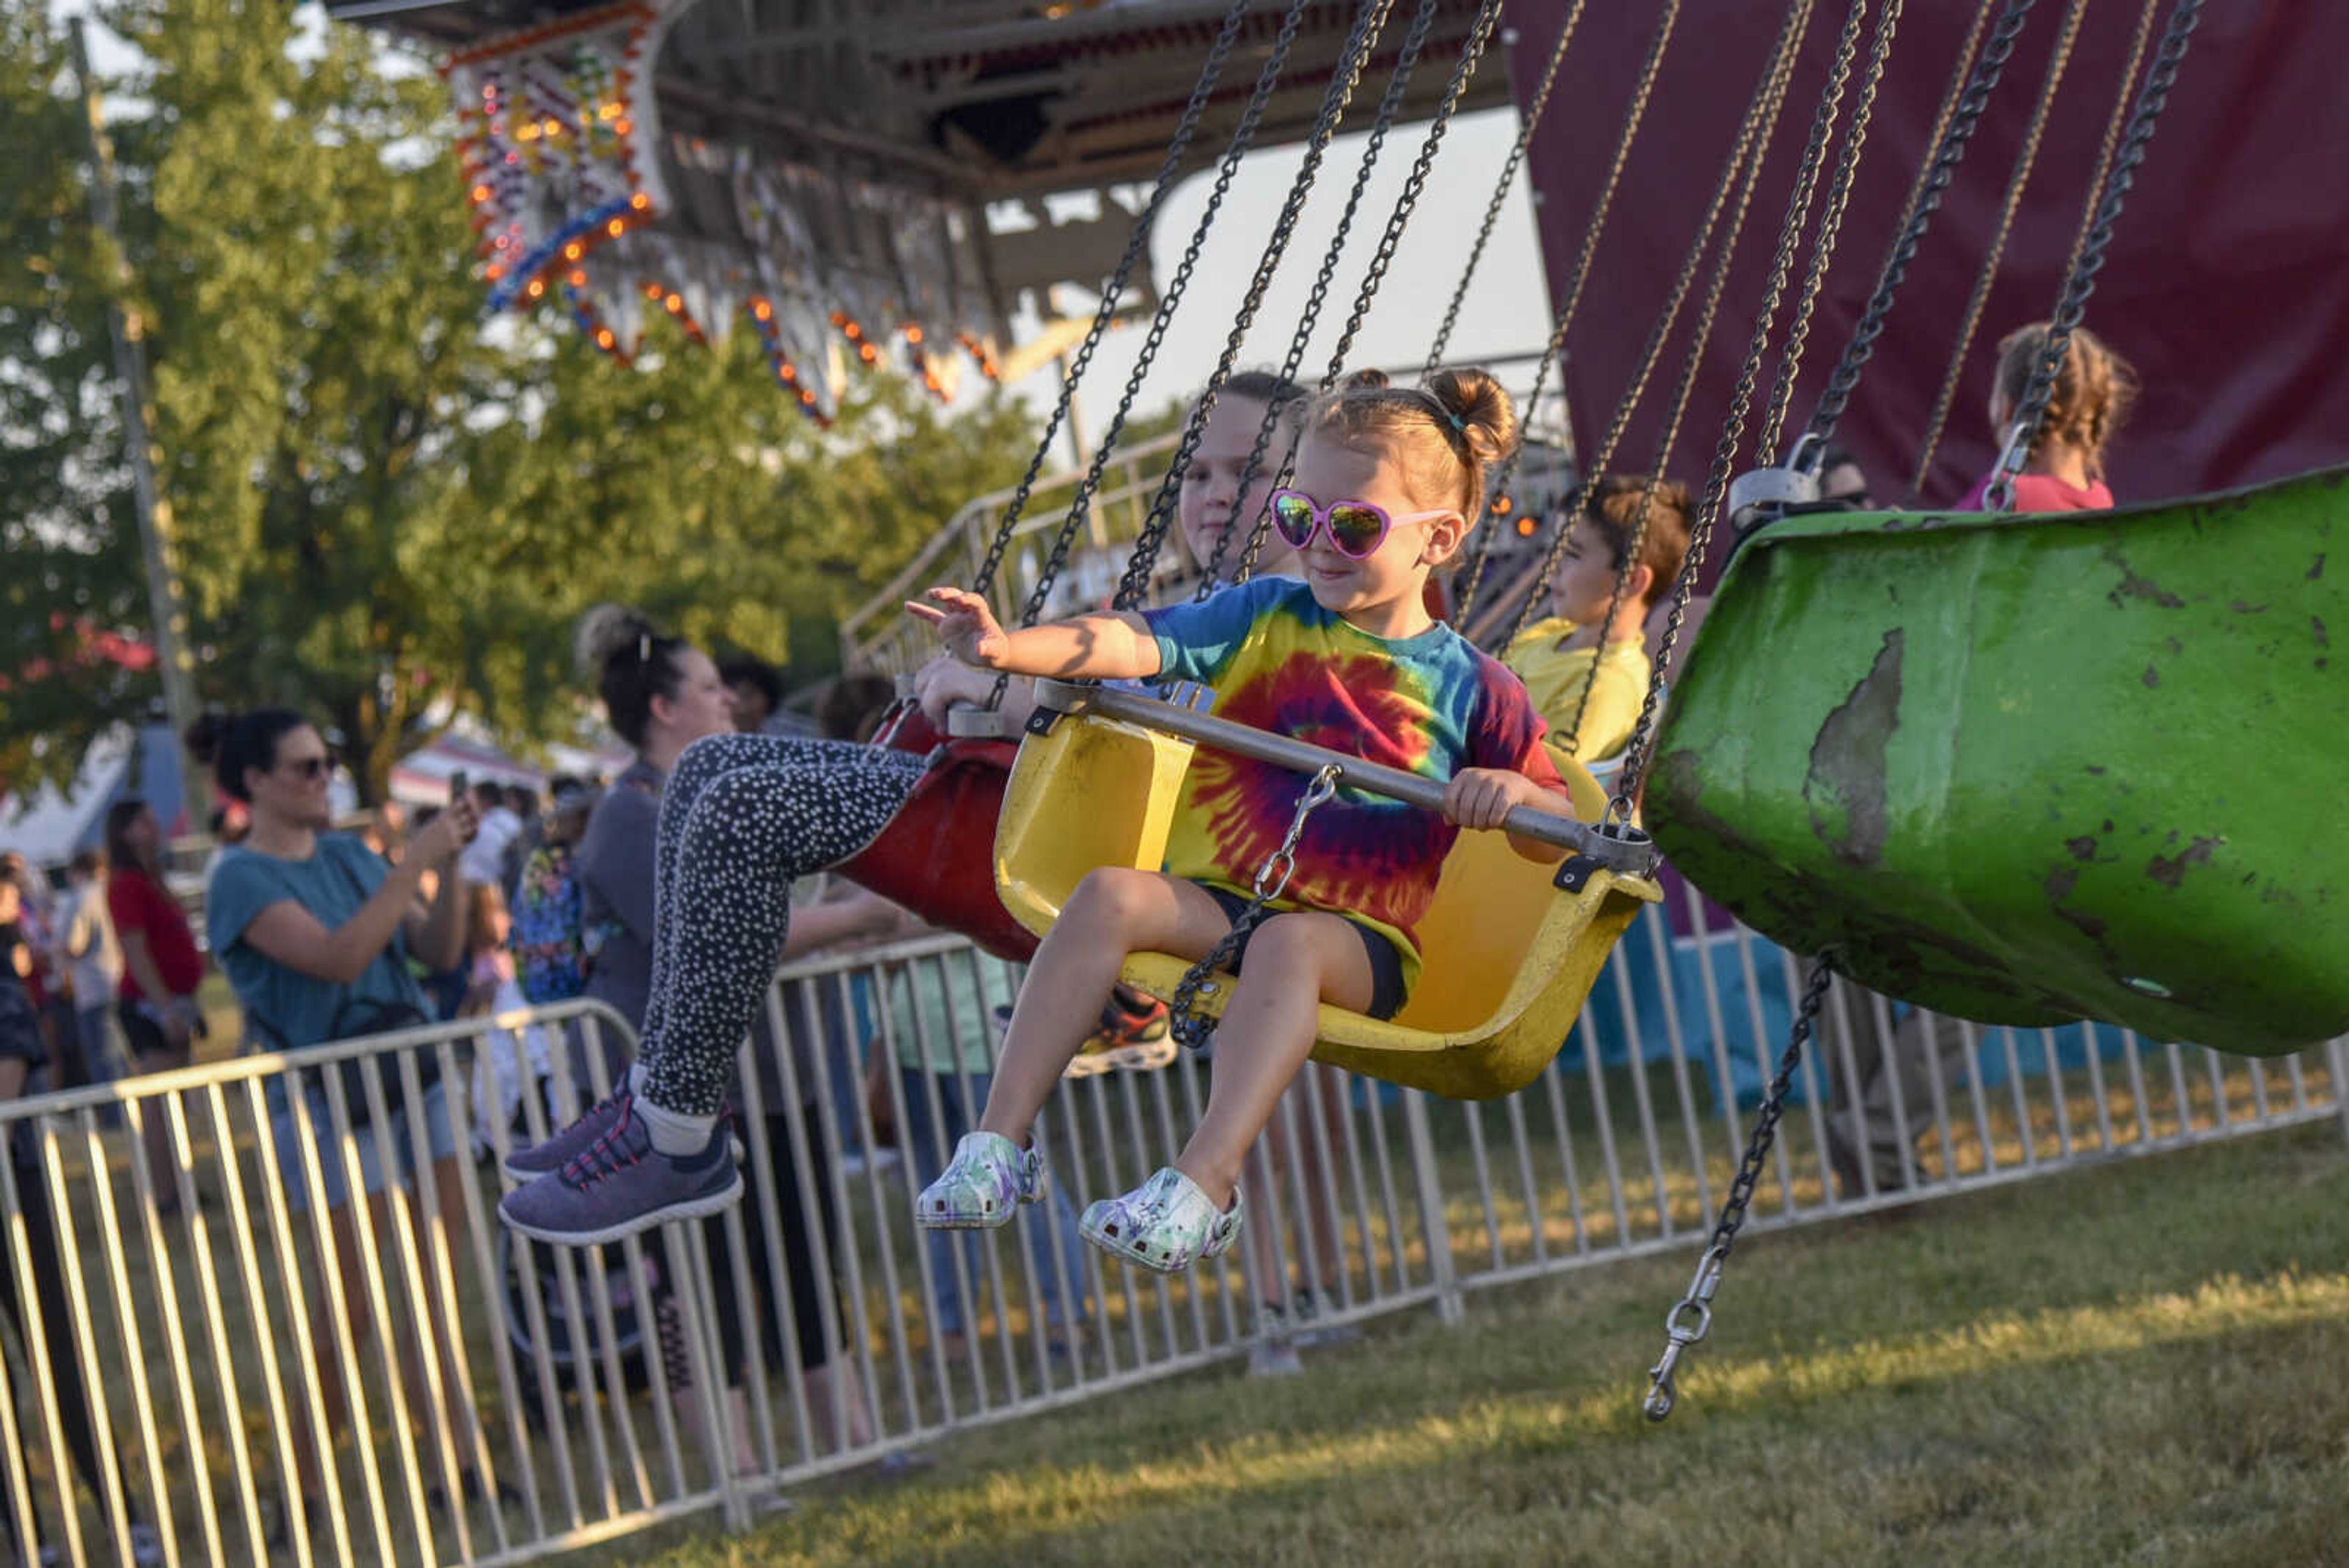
741	817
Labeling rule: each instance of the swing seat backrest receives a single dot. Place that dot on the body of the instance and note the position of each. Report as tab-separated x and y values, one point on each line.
1509	957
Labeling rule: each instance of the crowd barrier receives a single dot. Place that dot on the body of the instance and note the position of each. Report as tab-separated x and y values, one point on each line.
206	1352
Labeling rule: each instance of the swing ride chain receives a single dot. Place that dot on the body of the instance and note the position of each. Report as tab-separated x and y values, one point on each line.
1751	144
1218	55
1480	33
1134	587
2073	303
1243	135
1621	807
2112	126
1947	155
1422	22
1831	212
1641	93
2010	203
1501	192
1271	881
1691	1318
1632	773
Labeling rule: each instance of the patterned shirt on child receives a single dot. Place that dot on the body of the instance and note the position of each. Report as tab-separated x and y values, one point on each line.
1430	704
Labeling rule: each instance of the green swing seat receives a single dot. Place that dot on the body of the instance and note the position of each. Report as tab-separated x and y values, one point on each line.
2033	769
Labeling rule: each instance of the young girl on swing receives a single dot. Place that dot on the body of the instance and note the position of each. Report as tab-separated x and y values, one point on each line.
740	818
1386	481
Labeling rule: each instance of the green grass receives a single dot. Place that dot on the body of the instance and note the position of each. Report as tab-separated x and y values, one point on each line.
2139	1363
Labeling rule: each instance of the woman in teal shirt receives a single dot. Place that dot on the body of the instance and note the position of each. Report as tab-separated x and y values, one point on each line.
314	930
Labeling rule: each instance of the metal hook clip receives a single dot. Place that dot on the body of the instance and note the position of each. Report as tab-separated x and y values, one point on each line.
1685	1327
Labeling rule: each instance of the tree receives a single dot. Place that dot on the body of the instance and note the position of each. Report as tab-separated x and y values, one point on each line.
65	524
388	509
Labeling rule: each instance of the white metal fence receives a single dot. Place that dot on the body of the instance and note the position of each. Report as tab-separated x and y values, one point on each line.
184	1338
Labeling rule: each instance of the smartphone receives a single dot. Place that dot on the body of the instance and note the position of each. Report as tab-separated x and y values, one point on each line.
457	784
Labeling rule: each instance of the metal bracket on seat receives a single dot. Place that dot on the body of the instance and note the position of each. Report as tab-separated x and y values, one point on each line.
965	723
1624	850
1762	495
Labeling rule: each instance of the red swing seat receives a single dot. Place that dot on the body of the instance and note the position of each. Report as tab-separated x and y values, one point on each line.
937	856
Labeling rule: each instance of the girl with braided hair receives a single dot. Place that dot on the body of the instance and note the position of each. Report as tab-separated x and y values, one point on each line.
2094	390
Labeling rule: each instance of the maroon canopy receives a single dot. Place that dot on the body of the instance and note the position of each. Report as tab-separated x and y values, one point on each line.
2226	287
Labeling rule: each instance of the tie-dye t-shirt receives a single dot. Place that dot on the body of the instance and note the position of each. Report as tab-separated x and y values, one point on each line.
1430	704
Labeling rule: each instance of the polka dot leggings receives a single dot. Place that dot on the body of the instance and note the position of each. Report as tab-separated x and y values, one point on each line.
741	816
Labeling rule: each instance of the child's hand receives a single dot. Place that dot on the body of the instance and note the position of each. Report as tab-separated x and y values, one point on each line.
947	682
1482	797
965	625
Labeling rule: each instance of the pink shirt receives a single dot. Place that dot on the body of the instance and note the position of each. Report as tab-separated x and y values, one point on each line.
2042	492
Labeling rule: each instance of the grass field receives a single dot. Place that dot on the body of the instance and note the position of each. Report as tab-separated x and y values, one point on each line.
2140	1364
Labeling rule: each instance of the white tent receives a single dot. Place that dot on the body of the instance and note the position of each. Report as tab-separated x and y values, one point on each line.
48	826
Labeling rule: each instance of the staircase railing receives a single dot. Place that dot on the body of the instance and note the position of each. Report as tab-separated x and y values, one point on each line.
877	635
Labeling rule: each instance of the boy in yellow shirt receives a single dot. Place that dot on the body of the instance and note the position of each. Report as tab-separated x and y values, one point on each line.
1579	644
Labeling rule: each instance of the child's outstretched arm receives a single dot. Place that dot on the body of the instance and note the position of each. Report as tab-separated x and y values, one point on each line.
1482	797
1112	646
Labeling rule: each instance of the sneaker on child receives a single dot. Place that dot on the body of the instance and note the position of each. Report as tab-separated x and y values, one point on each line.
560	1149
621	1184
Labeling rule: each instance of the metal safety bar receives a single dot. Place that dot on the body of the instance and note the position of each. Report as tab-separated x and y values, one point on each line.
1622	849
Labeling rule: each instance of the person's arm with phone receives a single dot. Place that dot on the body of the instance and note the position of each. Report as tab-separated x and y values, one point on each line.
289	934
436	932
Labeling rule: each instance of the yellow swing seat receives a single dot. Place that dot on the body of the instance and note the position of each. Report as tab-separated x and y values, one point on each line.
1509	956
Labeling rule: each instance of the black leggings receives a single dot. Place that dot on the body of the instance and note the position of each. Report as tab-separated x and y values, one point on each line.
741	817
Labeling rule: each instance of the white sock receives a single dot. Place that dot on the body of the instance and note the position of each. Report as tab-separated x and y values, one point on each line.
673	1133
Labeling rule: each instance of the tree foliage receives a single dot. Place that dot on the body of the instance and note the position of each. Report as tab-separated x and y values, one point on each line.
387	507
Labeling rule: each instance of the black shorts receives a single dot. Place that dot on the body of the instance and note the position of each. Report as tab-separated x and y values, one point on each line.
142	1033
1386	964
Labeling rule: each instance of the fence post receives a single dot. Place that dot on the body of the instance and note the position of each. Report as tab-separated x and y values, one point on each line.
2338	1052
1431	1222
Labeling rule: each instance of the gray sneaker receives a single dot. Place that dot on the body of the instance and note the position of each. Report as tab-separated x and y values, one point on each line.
1315	1313
561	1148
621	1184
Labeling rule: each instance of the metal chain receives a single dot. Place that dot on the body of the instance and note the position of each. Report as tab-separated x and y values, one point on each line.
1732	426
1271	881
1414	43
1243	137
1218	55
1751	143
1948	153
1632	774
1633	116
1677	410
1961	351
1533	116
2112	124
2072	303
1472	54
1135	587
1831	212
1691	1318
